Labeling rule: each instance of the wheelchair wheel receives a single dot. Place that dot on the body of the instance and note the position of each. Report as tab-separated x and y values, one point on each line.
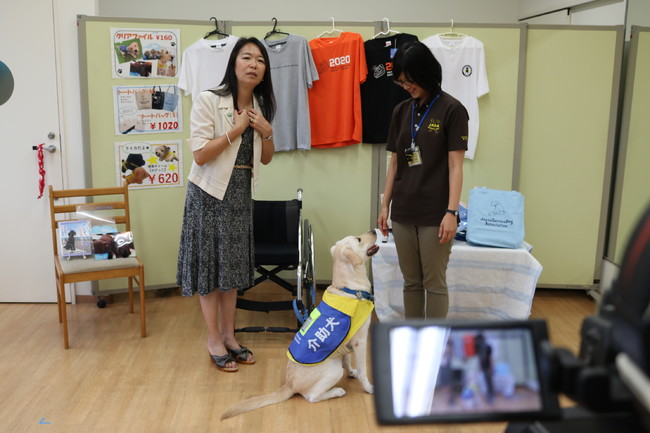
308	275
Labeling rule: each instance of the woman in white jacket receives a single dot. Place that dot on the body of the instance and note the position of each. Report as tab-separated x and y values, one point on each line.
230	136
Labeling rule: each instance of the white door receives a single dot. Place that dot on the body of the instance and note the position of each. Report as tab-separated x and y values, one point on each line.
26	120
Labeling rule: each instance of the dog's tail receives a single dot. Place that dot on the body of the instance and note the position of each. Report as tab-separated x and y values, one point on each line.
283	394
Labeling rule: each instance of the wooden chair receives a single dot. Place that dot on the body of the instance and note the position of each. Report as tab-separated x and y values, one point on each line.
115	200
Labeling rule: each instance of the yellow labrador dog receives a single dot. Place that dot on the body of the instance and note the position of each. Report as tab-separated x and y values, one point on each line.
322	349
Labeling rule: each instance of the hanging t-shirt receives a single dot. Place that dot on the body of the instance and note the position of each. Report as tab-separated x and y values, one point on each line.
379	93
204	65
293	71
335	99
463	76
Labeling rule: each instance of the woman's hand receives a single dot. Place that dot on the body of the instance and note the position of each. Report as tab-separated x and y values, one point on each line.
259	123
382	221
242	120
448	228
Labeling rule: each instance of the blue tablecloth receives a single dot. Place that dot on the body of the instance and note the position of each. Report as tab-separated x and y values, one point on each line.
484	283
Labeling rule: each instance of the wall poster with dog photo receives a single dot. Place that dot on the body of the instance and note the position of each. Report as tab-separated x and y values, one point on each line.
149	164
144	53
147	109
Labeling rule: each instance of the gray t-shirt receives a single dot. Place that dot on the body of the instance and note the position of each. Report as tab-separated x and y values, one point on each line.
293	71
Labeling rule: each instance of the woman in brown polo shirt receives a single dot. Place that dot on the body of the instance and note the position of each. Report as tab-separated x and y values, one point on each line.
428	140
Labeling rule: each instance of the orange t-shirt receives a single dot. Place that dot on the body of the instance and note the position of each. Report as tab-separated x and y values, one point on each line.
335	99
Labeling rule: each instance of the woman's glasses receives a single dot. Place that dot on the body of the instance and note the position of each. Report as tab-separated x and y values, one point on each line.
404	83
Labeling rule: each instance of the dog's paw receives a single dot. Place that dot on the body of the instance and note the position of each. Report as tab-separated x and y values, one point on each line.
353	372
332	393
366	385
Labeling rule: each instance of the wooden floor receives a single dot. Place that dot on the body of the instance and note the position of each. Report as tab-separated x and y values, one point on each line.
111	380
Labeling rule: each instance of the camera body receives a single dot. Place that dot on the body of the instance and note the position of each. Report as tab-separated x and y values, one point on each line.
610	378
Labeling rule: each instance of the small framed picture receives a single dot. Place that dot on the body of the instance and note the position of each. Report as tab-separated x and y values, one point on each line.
75	238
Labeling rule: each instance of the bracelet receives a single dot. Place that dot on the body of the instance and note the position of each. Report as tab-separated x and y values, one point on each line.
228	138
270	137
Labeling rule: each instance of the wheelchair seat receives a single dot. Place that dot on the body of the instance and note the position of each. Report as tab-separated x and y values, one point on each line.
276	236
283	242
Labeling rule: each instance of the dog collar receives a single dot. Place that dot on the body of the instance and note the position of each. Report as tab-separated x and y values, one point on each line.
361	294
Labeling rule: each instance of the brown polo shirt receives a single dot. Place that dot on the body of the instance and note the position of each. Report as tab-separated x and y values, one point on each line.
421	193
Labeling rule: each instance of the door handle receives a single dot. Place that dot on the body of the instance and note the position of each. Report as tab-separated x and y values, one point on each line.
50	148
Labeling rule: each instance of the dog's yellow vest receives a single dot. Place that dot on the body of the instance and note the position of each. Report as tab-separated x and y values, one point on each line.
333	323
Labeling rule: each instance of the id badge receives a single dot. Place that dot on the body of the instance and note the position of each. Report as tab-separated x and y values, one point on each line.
413	157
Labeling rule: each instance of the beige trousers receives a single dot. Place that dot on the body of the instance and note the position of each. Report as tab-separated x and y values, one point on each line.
423	262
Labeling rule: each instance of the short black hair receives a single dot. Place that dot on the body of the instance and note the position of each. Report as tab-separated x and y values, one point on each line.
418	64
263	91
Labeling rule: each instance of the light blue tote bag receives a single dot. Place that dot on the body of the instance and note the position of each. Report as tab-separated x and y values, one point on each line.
495	218
171	99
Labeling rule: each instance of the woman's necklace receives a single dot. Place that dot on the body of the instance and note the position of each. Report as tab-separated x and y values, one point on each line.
245	106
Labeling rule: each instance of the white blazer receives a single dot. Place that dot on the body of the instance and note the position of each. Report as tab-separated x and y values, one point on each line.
211	117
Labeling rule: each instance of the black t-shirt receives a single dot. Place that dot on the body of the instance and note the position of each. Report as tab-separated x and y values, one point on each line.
379	93
421	193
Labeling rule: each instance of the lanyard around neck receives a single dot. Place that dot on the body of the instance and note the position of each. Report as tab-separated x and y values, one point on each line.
415	129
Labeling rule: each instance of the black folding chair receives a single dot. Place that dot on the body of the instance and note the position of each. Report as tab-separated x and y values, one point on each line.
283	242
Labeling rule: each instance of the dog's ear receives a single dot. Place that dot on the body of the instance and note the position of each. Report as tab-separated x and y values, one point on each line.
352	256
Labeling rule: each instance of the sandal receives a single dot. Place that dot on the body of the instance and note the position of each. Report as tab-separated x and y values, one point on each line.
241	355
221	361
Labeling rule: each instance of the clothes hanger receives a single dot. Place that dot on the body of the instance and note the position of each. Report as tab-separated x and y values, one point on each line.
275	30
450	34
330	32
216	31
387	31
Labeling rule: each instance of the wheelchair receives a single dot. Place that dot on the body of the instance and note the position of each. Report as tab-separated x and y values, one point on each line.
284	241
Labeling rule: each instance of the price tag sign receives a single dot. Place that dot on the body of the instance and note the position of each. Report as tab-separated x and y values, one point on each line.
147	109
145	53
149	164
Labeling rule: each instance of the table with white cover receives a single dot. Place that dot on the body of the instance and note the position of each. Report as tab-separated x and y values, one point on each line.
483	282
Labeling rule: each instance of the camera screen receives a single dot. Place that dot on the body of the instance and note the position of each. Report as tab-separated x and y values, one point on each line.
459	372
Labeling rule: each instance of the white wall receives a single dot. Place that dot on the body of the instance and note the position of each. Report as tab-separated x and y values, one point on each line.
603	13
466	11
638	13
532	8
592	13
66	37
67	58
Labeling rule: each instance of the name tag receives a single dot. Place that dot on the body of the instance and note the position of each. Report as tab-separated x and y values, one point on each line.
413	156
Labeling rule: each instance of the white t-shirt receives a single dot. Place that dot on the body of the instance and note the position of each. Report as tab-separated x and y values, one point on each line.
204	65
463	76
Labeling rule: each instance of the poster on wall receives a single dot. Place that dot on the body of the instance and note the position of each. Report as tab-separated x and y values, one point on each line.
149	164
147	109
145	53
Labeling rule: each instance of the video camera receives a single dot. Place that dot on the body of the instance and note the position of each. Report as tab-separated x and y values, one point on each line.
463	371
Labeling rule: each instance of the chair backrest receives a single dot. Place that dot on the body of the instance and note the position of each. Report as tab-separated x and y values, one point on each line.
276	222
112	201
